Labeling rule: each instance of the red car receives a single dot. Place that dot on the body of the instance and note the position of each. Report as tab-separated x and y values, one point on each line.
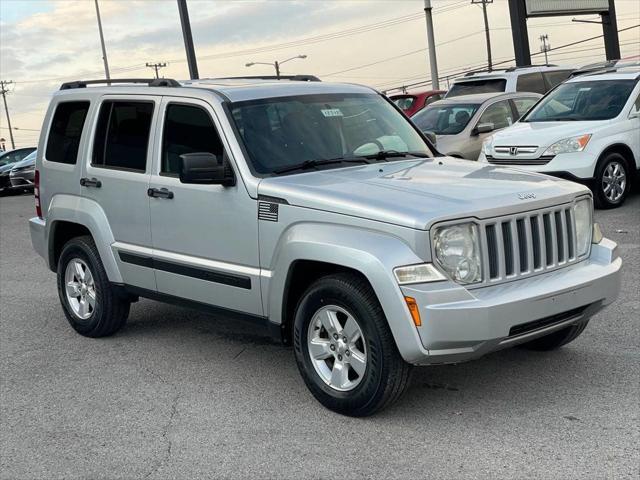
411	103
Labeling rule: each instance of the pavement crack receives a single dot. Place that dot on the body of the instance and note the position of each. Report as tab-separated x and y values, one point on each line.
239	353
165	435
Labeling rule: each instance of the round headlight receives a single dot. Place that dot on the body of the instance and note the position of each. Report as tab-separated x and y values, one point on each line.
458	253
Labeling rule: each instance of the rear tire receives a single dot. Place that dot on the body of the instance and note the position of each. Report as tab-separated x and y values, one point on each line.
89	301
360	347
612	181
557	339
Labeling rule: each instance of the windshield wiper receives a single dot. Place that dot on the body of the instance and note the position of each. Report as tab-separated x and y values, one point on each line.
386	154
308	164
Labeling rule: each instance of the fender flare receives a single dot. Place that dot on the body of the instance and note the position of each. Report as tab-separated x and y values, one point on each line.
371	253
89	214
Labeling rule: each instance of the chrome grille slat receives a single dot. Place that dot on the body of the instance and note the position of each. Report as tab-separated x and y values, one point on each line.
527	243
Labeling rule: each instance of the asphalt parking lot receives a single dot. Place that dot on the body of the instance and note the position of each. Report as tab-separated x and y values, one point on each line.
180	394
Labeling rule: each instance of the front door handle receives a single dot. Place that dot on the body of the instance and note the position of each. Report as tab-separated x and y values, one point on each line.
90	182
160	193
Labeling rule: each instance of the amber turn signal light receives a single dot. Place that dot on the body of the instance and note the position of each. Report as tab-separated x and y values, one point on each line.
414	310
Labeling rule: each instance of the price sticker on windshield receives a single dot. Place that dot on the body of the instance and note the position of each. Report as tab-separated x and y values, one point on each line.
332	112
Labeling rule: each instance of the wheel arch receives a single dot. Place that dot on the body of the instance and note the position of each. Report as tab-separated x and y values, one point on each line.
70	216
624	150
309	251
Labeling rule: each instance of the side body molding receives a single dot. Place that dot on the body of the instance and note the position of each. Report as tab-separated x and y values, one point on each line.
88	213
371	253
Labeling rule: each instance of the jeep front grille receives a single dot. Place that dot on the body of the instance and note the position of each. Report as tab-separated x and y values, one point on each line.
528	243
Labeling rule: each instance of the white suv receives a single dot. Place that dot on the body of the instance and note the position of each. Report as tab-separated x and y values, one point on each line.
586	130
538	79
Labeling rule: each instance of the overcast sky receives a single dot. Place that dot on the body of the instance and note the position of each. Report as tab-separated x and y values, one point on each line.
377	42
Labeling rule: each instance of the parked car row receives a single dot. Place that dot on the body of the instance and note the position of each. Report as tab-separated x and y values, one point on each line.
586	128
17	169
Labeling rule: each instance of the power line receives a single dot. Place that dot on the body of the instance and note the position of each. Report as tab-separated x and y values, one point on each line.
4	90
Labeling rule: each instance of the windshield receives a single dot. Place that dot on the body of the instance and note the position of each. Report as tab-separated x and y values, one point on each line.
583	101
445	119
280	133
471	87
404	103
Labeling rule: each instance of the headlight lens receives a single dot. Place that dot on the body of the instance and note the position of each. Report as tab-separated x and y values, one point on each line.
584	226
487	145
421	273
457	251
569	145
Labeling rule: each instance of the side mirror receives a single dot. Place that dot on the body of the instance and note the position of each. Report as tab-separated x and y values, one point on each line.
431	136
483	128
635	112
203	168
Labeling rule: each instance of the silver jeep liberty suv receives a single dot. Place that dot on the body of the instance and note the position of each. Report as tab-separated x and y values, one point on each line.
317	210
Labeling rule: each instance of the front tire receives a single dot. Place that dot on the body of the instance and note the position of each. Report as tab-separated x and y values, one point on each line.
557	339
612	181
89	301
344	348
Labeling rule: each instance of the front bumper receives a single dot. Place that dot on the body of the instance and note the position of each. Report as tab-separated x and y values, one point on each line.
580	165
24	179
460	324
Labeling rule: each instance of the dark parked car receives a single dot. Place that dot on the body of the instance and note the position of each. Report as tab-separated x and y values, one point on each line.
7	161
23	172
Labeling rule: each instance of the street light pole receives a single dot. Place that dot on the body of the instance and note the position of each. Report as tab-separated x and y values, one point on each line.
486	30
276	64
435	84
545	47
104	49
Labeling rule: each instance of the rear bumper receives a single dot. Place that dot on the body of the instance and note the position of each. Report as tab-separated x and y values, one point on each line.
38	230
460	324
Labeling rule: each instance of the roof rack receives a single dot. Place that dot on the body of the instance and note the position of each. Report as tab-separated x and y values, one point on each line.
295	78
151	82
509	69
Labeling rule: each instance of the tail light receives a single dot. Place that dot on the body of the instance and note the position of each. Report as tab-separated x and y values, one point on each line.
36	194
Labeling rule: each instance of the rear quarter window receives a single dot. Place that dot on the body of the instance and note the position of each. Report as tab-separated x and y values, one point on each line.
471	87
531	82
65	132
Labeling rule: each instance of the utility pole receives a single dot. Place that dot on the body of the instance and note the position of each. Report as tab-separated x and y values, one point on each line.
435	84
4	91
486	29
545	47
188	39
104	49
156	67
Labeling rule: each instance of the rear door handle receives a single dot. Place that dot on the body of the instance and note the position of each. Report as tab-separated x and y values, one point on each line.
160	193
90	182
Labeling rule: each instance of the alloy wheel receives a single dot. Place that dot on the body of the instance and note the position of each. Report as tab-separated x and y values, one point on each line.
80	288
614	181
337	348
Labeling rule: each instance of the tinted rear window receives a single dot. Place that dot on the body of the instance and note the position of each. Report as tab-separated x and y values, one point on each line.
477	86
122	135
65	133
404	103
531	82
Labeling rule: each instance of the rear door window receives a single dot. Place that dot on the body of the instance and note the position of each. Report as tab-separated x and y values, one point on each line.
531	82
470	87
122	135
66	129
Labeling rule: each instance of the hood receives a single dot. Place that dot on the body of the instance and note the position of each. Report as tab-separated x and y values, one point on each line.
542	134
416	193
25	162
450	143
6	168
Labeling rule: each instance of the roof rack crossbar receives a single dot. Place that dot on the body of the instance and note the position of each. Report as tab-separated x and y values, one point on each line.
152	82
297	78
